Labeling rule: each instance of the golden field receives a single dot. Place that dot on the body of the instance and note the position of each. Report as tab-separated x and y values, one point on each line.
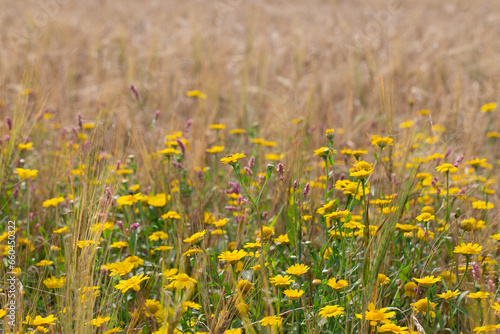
249	167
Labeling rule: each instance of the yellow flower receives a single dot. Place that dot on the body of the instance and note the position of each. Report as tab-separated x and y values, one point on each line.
281	281
337	285
196	93
482	205
393	328
233	331
487	329
26	146
215	149
271	321
427	281
488	107
137	261
131	283
129	199
322	152
293	294
163	248
170	273
447	168
171	215
424	112
119	268
330	311
237	131
2	313
297	269
44	263
158	235
381	141
217	126
182	281
410	289
449	294
478	295
468	249
158	200
99	321
86	243
232	257
362	169
26	173
39	321
196	238
375	316
169	151
118	244
425	307
407	124
232	158
425	217
189	304
282	239
476	162
52	202
382	279
54	283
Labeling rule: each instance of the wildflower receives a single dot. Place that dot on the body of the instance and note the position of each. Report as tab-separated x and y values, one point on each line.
322	152
337	284
282	239
375	316
362	170
170	273
447	168
118	244
488	107
476	162
52	202
482	205
135	260
196	93
158	235
330	311
392	328
487	329
129	199
44	263
427	281
478	295
215	149
425	217
410	288
231	159
281	281
158	200
271	321
189	304
244	286
407	124
86	243
425	307
39	321
237	131
99	321
266	231
293	294
217	126
26	173
182	281
449	294
163	248
132	283
120	268
61	230
169	151
468	249
2	313
382	279
26	146
381	141
232	257
234	331
54	283
171	215
196	238
297	269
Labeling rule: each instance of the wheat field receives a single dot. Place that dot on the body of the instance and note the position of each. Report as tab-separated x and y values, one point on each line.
237	166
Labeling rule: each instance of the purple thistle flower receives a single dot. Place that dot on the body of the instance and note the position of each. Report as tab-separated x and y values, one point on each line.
307	188
134	92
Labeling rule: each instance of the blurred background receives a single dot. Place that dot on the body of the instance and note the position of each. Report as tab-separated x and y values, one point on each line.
336	63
